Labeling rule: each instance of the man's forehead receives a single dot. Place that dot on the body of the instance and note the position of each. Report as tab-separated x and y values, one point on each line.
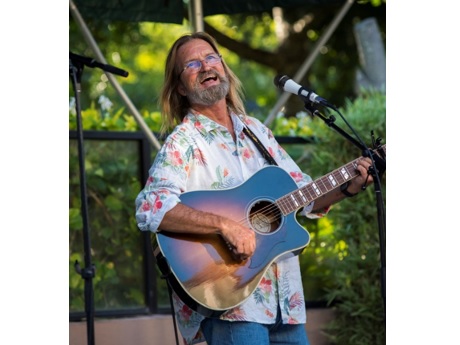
195	49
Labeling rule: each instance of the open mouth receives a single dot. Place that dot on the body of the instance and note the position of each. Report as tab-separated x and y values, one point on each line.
209	78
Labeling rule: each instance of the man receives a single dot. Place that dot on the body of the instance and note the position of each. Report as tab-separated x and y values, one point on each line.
209	149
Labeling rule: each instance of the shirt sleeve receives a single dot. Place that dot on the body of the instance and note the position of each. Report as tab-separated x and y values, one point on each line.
166	181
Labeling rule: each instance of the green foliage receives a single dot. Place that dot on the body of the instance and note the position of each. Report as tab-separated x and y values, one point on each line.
258	30
298	126
112	170
100	118
316	274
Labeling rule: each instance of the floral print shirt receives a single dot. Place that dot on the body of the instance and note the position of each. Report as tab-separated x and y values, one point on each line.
200	154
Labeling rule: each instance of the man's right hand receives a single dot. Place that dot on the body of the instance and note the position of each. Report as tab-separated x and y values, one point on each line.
241	240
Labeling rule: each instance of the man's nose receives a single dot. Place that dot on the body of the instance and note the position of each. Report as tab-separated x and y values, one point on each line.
205	65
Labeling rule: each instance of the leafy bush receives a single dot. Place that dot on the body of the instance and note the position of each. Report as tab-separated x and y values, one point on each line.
116	248
103	118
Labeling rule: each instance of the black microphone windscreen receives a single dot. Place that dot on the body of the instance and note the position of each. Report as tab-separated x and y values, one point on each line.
280	80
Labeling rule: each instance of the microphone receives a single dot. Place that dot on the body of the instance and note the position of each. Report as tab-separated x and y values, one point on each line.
285	83
93	63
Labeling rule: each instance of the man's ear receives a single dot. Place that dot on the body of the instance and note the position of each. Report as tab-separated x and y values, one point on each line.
181	89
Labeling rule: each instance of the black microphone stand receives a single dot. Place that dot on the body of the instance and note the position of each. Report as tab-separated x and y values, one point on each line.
376	170
76	65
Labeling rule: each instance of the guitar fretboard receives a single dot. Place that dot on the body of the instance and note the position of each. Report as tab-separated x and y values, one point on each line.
323	185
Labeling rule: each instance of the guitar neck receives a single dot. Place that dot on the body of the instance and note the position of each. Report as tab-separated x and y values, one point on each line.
321	186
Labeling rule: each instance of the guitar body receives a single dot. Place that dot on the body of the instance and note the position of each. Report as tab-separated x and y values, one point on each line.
203	271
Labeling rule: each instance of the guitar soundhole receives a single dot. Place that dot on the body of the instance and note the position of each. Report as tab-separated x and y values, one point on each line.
265	217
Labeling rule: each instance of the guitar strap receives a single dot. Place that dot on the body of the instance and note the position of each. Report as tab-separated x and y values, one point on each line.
259	145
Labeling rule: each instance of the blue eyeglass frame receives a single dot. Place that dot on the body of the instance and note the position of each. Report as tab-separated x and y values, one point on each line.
219	58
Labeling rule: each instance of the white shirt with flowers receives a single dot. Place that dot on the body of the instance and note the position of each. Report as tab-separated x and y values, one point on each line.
200	154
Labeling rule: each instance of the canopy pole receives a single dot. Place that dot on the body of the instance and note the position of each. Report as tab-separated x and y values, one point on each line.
309	61
93	45
195	13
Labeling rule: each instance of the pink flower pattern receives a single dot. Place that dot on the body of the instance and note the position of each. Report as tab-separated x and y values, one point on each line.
296	175
265	285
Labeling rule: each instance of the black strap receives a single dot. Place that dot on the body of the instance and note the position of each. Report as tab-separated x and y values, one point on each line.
259	145
343	189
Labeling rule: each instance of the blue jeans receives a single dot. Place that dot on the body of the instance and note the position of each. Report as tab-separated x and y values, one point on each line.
220	332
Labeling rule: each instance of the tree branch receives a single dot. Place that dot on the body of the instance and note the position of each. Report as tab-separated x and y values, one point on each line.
243	49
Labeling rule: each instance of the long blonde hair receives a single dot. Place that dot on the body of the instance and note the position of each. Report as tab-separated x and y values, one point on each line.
173	105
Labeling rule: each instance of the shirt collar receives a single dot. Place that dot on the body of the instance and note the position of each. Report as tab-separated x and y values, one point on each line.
204	123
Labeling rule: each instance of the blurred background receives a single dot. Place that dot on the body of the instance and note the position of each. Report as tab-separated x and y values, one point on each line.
334	48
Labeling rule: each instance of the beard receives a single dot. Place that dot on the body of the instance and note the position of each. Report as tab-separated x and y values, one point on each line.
210	95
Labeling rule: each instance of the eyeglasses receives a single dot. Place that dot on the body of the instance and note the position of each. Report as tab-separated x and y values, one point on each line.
195	65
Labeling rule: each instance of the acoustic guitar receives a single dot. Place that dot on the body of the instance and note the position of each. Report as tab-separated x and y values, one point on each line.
202	270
